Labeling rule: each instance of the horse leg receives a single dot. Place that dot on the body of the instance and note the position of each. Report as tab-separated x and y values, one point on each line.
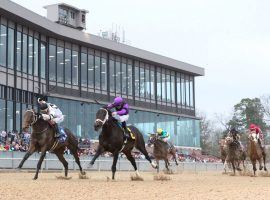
132	160
63	161
260	163
264	161
175	158
157	161
42	156
167	164
144	152
115	158
74	151
233	165
27	155
254	166
100	150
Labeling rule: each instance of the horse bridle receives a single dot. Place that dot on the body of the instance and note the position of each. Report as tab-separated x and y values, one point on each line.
35	117
35	120
105	119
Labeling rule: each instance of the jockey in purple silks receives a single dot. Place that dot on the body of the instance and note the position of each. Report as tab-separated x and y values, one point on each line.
121	114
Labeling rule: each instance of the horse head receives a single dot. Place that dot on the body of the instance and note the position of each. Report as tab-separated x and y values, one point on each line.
253	137
30	117
228	140
102	116
152	139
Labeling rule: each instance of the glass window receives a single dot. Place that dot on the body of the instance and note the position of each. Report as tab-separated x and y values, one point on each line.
178	86
124	78
75	67
187	91
112	76
191	91
19	51
118	77
9	115
10	48
91	71
24	55
104	74
30	55
3	45
152	83
163	75
129	77
84	69
159	86
137	81
183	90
36	57
147	84
60	64
18	116
168	87
3	114
97	72
42	60
68	66
52	62
173	87
142	80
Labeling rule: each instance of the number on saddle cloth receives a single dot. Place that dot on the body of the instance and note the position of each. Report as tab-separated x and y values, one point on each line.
130	132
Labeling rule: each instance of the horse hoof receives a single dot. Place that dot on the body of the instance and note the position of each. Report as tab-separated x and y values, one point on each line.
260	168
35	178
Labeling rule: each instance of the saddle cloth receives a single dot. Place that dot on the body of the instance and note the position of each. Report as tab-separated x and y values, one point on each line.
132	135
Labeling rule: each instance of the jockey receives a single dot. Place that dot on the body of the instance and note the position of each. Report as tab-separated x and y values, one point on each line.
52	114
236	137
121	114
163	135
256	129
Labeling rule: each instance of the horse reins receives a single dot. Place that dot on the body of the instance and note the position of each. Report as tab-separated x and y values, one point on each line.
35	120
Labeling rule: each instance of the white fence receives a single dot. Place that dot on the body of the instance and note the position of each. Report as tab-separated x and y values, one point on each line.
11	160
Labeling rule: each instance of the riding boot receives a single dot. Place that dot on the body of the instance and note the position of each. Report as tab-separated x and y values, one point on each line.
126	131
57	131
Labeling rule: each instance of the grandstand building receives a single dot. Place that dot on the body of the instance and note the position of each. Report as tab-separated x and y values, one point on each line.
55	58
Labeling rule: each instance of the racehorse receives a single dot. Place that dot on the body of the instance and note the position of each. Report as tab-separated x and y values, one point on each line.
111	139
256	153
43	140
235	154
223	152
162	150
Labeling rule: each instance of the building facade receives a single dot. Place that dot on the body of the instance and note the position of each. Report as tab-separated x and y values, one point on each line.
73	69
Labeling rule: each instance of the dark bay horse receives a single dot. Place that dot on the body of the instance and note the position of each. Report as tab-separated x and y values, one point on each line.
162	151
256	153
43	140
235	155
111	139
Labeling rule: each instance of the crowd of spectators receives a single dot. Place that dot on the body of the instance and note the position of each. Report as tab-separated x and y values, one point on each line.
16	141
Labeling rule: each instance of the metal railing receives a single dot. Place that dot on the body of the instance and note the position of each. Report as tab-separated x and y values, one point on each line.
11	160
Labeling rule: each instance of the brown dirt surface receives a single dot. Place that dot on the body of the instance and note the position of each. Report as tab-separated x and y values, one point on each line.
187	185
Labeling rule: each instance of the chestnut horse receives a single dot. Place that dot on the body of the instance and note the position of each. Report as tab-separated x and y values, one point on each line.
256	153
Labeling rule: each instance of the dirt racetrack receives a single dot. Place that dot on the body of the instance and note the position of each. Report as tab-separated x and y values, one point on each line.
187	185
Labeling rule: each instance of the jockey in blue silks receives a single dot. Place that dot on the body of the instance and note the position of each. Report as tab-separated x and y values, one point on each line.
121	114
